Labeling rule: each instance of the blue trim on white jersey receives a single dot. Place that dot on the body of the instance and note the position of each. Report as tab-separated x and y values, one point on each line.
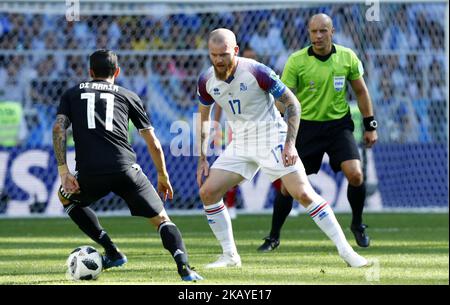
267	79
202	92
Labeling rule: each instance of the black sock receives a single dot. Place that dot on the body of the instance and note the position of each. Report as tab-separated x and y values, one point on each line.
281	209
173	242
356	197
87	221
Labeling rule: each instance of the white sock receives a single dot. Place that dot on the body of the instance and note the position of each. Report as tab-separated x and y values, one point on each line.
324	217
220	223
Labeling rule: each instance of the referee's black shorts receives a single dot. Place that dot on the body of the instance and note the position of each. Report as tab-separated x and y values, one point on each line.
332	137
132	185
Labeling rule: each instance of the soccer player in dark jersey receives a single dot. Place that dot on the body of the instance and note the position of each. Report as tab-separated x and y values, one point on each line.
105	162
317	75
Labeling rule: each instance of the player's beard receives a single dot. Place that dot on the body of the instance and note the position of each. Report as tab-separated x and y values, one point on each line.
224	73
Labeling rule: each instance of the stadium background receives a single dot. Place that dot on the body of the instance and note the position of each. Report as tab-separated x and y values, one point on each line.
162	49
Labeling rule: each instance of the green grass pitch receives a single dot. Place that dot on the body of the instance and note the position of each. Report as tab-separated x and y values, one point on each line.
406	249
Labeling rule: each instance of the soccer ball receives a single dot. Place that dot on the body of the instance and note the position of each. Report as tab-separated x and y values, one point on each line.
84	263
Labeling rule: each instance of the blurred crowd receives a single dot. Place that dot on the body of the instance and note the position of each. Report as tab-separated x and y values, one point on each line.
161	57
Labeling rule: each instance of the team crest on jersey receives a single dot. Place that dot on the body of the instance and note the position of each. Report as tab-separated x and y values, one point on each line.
339	82
243	87
216	91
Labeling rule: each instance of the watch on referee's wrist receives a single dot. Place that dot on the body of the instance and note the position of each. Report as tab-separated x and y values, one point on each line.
370	123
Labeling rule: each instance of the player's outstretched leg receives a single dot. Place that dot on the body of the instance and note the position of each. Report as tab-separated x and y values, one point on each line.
173	242
322	214
88	222
211	193
282	206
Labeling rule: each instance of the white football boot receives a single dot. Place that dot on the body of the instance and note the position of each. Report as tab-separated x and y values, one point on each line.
354	260
226	260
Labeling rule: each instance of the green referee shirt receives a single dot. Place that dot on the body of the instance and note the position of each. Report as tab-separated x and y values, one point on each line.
321	85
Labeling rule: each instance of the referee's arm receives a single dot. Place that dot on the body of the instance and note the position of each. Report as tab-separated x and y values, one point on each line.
365	107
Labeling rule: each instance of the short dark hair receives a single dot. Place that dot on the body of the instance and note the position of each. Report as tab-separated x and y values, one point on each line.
104	63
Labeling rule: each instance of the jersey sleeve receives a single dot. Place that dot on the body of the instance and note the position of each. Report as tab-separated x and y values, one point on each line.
356	67
268	80
204	97
64	105
138	115
290	74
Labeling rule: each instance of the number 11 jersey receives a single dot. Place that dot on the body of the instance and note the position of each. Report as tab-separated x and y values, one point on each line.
99	113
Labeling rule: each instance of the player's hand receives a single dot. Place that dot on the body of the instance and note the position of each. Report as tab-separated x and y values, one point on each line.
202	170
164	187
70	183
289	154
370	138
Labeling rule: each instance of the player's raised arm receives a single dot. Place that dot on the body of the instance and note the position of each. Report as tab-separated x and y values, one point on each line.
202	142
292	116
156	152
68	181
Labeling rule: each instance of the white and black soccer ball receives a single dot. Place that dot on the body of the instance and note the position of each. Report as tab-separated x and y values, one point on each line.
84	263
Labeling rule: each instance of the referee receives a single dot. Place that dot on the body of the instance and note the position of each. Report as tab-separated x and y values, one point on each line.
317	75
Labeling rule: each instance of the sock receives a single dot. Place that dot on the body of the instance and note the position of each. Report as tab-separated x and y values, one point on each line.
356	196
220	223
88	222
324	217
281	209
173	242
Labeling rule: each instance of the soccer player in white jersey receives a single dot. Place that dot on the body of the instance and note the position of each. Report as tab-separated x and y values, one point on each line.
247	90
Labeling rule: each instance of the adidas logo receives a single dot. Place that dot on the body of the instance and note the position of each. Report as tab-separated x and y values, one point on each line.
178	252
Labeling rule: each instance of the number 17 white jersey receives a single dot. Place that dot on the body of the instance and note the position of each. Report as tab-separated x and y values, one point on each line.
248	99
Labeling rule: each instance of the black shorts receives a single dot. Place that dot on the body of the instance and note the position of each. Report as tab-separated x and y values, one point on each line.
332	137
132	185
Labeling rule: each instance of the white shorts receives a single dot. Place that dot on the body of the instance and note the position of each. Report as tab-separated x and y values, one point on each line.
247	163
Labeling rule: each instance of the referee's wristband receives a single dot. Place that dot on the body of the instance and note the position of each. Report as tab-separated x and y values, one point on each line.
370	123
